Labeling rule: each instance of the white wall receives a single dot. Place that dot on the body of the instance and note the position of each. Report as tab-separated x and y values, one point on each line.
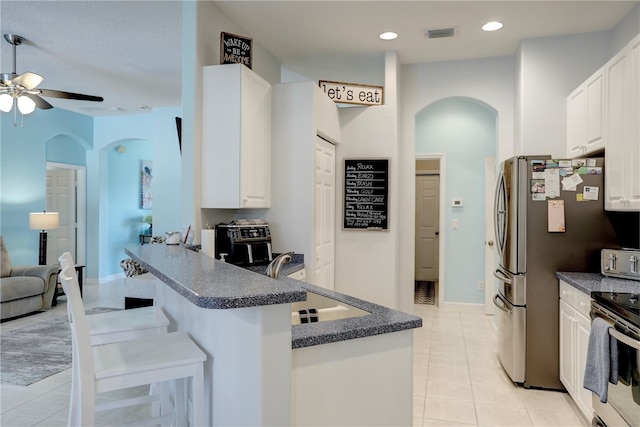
491	81
550	68
366	261
202	24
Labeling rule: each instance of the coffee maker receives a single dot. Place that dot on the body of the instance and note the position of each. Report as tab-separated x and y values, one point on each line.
243	243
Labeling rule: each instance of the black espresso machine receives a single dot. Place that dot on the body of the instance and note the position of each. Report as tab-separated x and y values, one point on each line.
243	243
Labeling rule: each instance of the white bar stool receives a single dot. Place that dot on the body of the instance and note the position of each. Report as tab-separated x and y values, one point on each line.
115	366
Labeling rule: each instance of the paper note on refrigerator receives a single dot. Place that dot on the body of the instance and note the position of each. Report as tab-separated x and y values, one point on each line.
570	183
590	193
555	213
552	182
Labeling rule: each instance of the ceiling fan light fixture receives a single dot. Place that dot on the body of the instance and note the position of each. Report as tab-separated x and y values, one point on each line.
26	105
6	102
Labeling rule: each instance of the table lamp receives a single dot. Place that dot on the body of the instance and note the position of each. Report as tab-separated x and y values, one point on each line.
43	221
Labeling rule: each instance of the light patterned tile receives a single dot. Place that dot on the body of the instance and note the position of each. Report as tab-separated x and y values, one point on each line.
418	406
17	420
554	401
456	410
502	416
551	418
429	422
448	389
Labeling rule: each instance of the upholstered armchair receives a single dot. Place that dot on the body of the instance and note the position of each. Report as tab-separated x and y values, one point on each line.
24	289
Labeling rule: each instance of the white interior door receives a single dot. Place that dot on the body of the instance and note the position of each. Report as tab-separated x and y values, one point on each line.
489	239
427	228
324	218
61	198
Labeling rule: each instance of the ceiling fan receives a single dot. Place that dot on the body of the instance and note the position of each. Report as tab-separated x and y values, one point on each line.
20	90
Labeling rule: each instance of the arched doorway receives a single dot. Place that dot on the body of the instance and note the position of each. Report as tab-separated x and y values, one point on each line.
462	134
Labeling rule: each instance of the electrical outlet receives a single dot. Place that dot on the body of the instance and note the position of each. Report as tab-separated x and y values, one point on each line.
480	285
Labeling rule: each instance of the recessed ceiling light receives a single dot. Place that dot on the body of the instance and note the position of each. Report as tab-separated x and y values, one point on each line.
389	35
492	26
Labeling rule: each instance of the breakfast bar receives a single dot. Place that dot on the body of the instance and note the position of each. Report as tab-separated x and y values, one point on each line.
261	370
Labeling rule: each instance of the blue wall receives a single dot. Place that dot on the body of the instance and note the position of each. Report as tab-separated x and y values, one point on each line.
23	157
112	216
61	136
125	215
464	131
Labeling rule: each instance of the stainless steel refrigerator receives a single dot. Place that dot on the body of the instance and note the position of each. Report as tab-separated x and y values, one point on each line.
544	224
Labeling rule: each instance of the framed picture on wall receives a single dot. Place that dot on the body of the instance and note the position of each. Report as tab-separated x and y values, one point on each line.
146	200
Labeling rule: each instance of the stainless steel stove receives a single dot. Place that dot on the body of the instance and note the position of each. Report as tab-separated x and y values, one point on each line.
622	311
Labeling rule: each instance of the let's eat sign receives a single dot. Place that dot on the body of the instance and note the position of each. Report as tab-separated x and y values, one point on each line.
352	93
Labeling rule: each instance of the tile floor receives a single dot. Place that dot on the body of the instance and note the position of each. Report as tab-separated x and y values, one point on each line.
457	378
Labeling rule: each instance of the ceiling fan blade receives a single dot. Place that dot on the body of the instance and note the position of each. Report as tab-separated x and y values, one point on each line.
40	103
28	80
70	95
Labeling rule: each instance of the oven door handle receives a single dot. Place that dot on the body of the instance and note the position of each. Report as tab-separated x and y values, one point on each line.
625	339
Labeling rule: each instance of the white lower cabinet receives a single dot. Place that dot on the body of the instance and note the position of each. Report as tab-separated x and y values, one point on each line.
575	327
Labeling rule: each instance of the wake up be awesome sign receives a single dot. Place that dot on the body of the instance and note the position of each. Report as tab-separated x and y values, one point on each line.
235	49
366	191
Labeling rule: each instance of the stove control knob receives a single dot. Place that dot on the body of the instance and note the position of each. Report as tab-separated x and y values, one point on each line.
612	262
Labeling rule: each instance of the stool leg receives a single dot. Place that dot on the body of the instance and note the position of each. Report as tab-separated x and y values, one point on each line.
197	396
181	402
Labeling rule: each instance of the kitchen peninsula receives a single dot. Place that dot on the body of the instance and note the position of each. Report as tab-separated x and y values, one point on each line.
261	370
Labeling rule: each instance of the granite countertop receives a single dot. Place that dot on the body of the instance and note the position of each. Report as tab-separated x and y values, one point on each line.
596	282
213	284
210	283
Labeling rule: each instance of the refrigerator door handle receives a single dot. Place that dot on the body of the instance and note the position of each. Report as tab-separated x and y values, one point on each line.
499	274
502	306
500	216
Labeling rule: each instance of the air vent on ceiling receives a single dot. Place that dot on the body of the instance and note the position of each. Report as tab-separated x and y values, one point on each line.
440	33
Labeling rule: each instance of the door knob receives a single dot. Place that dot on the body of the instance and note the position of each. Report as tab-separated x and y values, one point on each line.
490	243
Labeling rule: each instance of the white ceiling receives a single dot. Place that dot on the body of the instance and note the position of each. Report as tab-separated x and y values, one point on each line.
129	52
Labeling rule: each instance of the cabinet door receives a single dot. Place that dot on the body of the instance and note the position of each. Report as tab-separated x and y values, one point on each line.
582	396
255	137
586	117
622	183
576	127
632	169
567	369
594	114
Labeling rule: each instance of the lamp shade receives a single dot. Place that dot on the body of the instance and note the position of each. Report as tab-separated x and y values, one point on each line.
43	220
6	102
26	105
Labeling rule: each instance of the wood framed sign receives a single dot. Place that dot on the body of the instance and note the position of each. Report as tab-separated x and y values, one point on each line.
366	194
352	93
235	49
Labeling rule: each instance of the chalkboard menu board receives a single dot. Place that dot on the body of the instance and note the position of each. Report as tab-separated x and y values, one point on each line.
366	194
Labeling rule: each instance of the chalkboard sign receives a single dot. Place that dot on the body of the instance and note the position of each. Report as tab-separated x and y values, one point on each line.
366	192
235	49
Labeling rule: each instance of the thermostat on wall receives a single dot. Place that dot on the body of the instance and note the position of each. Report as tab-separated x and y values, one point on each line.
457	203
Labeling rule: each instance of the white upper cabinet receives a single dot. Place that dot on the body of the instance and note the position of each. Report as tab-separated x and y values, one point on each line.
585	117
622	148
236	138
